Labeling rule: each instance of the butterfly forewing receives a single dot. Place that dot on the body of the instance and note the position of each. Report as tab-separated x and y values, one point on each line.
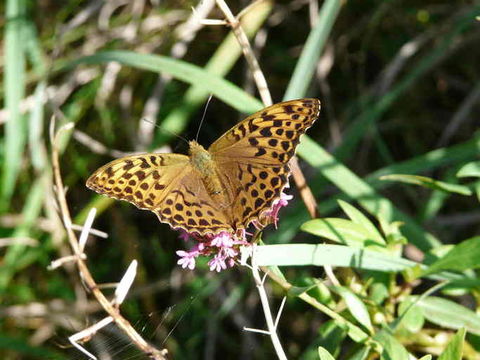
143	180
269	136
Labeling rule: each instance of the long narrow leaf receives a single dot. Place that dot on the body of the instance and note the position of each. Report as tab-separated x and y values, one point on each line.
15	131
181	70
314	45
345	256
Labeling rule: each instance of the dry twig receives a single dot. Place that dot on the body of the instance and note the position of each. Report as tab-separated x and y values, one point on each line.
247	52
111	308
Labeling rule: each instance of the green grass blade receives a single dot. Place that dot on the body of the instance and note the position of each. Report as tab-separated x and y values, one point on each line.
428	183
181	70
37	150
15	130
307	63
30	214
429	161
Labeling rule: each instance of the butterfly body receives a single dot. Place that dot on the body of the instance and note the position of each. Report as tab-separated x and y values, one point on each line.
223	188
206	167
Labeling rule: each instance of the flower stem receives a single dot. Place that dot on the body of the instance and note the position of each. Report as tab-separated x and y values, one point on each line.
272	330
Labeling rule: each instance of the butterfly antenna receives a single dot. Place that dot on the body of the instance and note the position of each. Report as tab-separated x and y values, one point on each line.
165	130
203	116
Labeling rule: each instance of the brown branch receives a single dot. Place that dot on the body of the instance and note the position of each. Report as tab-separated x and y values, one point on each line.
302	186
85	274
247	52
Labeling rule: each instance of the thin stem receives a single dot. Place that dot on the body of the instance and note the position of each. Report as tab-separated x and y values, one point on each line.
248	52
272	330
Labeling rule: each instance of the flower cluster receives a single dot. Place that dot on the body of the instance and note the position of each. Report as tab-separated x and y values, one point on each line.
224	246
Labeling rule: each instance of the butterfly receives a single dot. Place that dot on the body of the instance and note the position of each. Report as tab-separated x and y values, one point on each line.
226	187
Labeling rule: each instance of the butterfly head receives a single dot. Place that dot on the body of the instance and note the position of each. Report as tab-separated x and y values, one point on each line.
195	147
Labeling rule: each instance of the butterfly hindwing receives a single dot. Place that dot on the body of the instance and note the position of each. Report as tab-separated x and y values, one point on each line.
256	187
189	206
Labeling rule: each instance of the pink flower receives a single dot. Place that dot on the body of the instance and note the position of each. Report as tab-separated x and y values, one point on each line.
225	246
217	263
187	259
229	252
224	239
276	206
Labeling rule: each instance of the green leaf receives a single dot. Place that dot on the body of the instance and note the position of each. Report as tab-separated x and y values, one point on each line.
356	307
340	230
428	183
392	348
356	188
323	354
472	169
334	255
308	61
462	257
378	292
449	314
181	70
15	132
339	255
331	335
455	347
412	316
476	187
358	218
360	354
